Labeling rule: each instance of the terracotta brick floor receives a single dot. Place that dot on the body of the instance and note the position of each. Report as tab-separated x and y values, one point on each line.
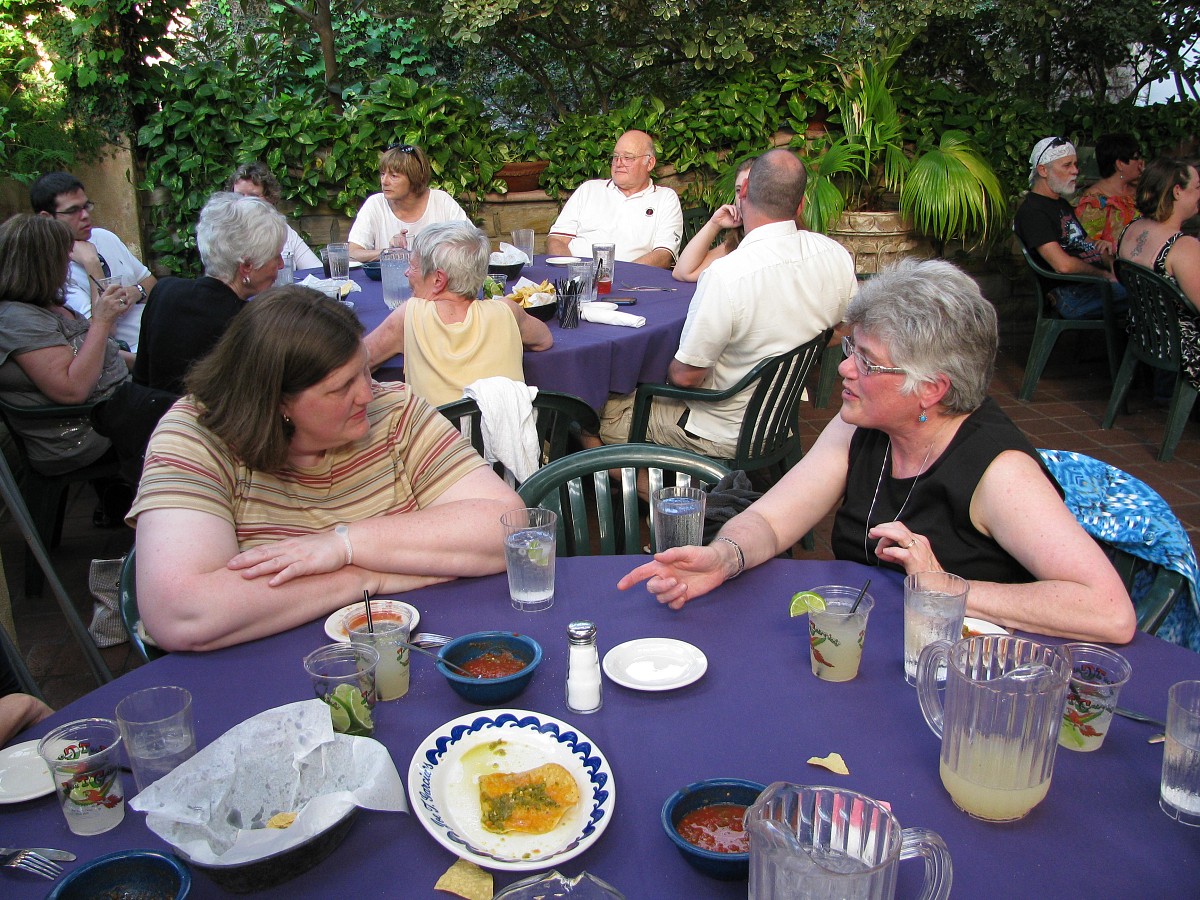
1064	414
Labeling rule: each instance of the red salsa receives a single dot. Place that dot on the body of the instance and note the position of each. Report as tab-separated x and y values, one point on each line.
717	828
494	664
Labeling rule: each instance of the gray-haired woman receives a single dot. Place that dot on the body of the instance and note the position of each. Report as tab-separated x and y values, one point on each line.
240	239
449	338
926	473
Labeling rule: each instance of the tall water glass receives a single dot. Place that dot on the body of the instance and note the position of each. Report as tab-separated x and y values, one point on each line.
287	274
823	843
338	256
393	264
522	239
584	274
1179	795
84	758
999	724
677	516
156	724
934	605
529	539
605	257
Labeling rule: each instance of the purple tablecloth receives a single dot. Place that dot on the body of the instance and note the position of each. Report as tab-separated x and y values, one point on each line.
757	713
589	361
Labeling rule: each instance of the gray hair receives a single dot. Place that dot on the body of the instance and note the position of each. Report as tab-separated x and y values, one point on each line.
234	229
457	248
934	320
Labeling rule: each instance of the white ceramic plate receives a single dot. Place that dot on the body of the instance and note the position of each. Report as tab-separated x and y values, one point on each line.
23	774
561	260
336	632
443	787
981	626
655	664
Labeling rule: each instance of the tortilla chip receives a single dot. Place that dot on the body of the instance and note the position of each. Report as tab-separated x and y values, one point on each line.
532	802
833	762
466	880
281	820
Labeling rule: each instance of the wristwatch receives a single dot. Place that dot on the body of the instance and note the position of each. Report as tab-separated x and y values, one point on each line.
141	290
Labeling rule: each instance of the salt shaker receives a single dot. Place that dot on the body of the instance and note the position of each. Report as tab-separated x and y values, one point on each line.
583	668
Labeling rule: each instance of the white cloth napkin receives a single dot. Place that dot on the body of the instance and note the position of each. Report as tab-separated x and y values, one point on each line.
328	286
610	317
508	255
509	426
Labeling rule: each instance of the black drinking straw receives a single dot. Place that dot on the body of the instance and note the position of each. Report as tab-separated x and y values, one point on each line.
854	608
371	623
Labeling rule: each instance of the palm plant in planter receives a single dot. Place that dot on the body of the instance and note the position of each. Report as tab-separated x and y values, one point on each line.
945	192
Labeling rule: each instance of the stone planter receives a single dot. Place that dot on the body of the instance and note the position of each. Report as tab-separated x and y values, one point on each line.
874	239
522	176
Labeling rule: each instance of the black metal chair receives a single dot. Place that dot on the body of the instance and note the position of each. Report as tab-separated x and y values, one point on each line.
558	415
46	495
578	489
769	439
1154	304
1050	324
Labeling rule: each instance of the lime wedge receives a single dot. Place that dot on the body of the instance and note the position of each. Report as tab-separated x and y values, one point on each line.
538	553
355	709
341	718
805	601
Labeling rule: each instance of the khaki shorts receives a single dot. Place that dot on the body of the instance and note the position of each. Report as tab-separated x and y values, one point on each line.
617	416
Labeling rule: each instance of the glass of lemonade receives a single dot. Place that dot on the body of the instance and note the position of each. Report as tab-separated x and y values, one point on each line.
84	757
1096	679
529	539
835	634
390	640
1179	795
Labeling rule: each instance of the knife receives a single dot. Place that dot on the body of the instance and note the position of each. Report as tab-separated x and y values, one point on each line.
1138	717
47	852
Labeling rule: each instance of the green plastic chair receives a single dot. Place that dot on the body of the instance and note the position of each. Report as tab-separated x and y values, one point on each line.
1154	304
769	439
46	495
130	617
693	221
1050	324
578	489
558	415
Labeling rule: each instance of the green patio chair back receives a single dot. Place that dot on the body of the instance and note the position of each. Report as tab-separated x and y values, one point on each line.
600	517
130	617
1050	325
558	417
1154	304
769	439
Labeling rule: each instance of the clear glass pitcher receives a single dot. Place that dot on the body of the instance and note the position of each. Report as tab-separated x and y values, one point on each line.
999	725
822	843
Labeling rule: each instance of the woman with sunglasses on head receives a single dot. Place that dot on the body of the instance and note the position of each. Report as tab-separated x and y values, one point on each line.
396	215
926	473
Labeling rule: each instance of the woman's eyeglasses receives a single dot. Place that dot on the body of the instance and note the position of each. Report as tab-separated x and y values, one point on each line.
865	366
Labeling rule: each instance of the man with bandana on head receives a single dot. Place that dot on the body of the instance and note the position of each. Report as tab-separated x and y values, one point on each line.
1047	226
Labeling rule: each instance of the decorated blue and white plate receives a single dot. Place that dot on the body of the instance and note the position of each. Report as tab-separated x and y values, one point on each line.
443	786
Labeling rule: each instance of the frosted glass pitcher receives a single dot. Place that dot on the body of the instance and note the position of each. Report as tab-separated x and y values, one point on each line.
822	843
999	725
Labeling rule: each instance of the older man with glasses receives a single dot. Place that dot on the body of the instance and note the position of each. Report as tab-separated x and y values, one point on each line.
97	253
643	219
1047	226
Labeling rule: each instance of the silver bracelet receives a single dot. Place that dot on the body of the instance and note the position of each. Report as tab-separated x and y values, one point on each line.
741	557
343	531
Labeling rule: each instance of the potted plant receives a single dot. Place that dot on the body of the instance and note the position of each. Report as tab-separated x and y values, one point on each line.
865	181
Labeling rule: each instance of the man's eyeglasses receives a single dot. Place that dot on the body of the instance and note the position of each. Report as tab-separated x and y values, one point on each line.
865	366
627	158
1057	142
76	210
400	148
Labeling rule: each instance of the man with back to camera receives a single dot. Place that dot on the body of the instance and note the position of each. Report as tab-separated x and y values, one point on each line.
1046	224
96	254
643	219
780	288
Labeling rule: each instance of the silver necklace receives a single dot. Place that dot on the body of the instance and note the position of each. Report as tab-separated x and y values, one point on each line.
878	484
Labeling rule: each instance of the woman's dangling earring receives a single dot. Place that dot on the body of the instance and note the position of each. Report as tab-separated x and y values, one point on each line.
922	418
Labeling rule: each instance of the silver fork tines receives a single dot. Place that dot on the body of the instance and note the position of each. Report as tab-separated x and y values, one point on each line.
29	861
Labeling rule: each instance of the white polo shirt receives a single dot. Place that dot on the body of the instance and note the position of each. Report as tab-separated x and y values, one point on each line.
120	262
598	213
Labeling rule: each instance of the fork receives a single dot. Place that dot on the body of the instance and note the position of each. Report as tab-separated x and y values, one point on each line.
28	861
